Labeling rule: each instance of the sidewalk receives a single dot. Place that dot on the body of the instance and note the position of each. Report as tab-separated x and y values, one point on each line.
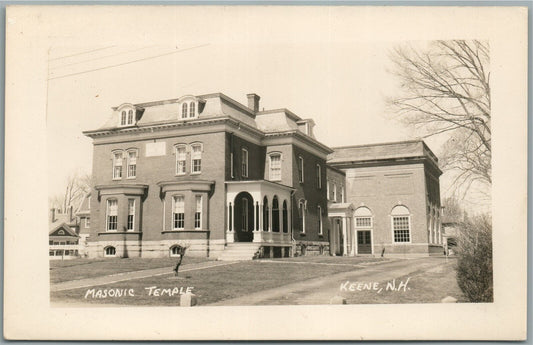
114	278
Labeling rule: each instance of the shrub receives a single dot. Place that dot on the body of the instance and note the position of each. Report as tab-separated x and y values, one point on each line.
474	265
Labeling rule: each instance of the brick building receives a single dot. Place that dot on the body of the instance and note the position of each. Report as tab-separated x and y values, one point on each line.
230	181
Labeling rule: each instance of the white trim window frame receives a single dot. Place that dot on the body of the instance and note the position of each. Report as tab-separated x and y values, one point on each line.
132	164
123	118
274	171
303	208
87	222
184	110
130	117
112	215
192	110
110	251
334	192
198	213
178	212
196	158
244	162
118	158
327	189
301	169
181	159
130	222
401	226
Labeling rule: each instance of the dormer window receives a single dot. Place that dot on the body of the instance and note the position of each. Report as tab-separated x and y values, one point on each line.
127	116
189	107
184	111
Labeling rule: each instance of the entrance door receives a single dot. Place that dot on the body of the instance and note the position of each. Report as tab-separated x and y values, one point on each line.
244	217
364	242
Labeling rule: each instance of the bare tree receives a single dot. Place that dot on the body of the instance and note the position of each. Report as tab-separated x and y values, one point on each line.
446	89
76	188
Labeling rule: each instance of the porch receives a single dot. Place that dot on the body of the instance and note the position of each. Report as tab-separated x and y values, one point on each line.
259	212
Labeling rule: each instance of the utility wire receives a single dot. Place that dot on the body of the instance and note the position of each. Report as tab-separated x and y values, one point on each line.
101	57
81	53
126	63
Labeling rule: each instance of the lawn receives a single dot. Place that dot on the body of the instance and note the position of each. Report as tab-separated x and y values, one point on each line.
66	270
210	285
337	260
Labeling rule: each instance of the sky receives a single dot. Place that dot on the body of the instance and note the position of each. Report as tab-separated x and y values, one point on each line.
322	69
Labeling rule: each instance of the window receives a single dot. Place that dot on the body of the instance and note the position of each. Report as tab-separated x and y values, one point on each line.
320	230
132	164
184	111
178	213
285	217
192	109
87	222
117	165
363	217
302	207
300	169
244	162
275	214
334	192
198	213
181	159
327	190
342	194
131	215
61	232
110	251
130	117
401	224
175	251
275	167
112	215
318	177
123	118
196	158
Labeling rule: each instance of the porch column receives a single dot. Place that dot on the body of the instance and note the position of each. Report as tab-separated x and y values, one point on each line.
256	215
344	242
230	225
280	219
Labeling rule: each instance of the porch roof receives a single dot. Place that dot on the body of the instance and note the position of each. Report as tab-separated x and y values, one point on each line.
260	182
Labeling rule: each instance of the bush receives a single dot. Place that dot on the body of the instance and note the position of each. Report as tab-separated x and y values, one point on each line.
474	265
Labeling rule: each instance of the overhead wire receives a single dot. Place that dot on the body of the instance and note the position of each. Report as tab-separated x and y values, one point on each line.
127	62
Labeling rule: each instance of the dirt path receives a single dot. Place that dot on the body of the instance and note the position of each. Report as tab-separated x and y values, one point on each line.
114	278
322	290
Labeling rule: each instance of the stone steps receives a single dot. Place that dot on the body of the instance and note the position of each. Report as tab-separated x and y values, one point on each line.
239	251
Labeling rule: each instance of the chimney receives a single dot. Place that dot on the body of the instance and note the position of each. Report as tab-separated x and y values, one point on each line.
52	215
253	102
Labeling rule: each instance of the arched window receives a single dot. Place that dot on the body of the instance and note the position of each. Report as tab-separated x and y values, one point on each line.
117	165
181	159
300	169
318	176
196	158
363	217
123	118
175	250
61	232
184	111
132	164
285	217
302	209
130	117
192	109
265	214
110	251
244	162
275	167
275	214
401	224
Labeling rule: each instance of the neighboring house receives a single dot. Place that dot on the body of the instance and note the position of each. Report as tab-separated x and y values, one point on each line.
231	181
83	215
63	238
